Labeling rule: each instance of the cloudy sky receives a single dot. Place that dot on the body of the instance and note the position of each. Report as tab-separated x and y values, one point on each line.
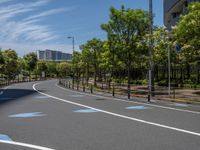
29	25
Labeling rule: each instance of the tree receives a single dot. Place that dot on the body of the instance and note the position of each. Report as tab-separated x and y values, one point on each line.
91	53
64	69
30	62
86	59
41	67
127	28
11	63
52	71
187	33
77	65
163	43
1	63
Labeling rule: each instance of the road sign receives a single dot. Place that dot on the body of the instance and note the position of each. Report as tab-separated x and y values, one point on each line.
178	47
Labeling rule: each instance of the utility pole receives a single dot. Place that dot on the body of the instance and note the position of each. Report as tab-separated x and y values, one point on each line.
169	64
71	37
150	49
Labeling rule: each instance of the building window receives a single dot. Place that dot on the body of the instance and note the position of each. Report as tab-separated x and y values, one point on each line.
174	15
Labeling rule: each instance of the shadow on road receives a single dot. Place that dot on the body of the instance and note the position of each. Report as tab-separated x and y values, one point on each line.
10	95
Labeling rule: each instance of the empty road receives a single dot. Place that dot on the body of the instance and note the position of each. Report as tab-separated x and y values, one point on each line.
45	116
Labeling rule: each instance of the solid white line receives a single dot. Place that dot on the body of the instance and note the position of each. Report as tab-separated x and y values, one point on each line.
118	115
117	99
25	145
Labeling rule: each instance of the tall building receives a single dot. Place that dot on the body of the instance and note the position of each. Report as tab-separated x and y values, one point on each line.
66	56
41	54
173	10
53	55
59	55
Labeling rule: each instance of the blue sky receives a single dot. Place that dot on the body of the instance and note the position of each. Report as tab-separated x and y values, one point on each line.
29	25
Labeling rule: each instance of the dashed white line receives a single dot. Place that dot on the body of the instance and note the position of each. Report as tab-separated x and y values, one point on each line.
26	145
118	115
117	99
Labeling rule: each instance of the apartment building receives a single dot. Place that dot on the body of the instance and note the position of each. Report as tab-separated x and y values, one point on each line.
53	55
173	9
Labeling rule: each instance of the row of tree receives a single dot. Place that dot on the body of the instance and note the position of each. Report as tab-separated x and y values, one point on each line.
29	66
124	55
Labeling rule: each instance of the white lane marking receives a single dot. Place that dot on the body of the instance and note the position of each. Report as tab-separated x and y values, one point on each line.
118	115
26	145
117	99
1	93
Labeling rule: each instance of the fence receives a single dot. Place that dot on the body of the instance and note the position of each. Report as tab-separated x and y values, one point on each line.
4	82
120	90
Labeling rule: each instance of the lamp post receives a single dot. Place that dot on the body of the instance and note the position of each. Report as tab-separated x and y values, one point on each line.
150	49
71	37
169	71
169	62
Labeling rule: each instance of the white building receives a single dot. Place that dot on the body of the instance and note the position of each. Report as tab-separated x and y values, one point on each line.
53	55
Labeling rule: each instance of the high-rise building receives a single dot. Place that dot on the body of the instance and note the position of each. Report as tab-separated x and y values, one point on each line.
173	9
53	55
48	54
66	56
59	55
40	54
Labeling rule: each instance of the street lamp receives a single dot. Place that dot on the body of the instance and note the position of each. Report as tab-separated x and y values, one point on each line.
150	49
71	37
169	62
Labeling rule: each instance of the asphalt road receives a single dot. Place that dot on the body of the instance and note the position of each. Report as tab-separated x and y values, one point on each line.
45	116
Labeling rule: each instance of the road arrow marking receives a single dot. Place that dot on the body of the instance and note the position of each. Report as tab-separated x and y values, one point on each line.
4	137
138	107
28	115
86	110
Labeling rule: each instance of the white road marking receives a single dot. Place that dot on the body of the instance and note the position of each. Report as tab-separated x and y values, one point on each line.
26	145
117	99
118	115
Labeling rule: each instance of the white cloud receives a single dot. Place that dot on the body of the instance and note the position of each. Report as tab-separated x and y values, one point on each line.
28	28
47	13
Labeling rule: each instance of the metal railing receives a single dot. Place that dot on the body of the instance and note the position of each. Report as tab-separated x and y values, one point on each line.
120	90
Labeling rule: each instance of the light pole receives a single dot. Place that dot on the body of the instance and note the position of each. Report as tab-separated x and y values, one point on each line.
169	63
71	37
150	48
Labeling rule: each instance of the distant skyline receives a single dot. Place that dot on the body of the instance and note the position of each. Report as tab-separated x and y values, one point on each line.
28	25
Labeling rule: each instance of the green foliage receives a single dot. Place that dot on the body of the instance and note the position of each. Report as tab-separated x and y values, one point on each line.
90	58
41	66
52	68
64	69
126	30
10	63
187	33
30	61
1	62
